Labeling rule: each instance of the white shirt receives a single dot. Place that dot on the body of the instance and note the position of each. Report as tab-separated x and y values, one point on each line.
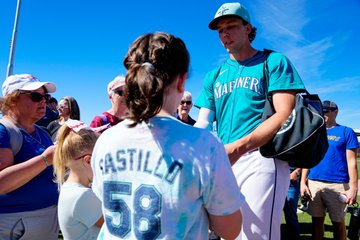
159	180
78	211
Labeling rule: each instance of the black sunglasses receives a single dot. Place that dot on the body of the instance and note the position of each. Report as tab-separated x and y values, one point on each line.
119	92
37	97
326	110
187	102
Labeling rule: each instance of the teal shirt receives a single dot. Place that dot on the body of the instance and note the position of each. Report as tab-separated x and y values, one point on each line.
235	92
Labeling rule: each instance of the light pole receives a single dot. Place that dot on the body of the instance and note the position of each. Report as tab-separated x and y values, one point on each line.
13	41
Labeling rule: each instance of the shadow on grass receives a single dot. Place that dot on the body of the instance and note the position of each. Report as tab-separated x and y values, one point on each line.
306	225
305	231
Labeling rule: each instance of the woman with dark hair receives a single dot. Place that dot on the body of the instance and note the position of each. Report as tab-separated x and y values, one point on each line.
165	179
68	108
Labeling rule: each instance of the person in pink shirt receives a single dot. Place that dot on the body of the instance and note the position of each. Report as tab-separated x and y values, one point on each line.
118	108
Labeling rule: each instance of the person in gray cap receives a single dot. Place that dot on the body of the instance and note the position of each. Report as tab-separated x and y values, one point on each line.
333	183
234	95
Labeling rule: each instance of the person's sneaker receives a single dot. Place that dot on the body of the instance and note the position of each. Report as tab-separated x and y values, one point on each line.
303	207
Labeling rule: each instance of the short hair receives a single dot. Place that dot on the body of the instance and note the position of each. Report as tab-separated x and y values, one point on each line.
252	34
8	102
187	93
53	100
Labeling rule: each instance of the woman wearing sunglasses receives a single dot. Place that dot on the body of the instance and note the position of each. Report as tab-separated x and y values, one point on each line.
28	195
68	109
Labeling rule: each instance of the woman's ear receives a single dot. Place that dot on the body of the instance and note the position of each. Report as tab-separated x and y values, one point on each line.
181	82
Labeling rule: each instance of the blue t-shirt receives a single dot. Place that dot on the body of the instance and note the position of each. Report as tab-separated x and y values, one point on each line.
41	191
235	92
333	167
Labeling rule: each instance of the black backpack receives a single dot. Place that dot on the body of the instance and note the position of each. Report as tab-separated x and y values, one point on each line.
302	140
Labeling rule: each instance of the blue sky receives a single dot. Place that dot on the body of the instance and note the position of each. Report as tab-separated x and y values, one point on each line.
80	44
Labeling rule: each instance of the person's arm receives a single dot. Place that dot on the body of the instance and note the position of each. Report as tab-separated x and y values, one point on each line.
205	118
100	222
294	175
351	194
14	176
304	189
284	103
228	226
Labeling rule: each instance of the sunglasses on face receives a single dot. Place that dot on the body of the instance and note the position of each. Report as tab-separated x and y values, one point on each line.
326	110
119	92
37	97
62	106
187	102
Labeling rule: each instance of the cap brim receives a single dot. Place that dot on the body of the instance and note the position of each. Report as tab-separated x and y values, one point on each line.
214	22
50	87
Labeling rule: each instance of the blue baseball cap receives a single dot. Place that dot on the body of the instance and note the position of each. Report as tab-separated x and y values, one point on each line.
229	10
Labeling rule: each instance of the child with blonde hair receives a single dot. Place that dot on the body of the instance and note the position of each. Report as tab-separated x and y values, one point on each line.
79	210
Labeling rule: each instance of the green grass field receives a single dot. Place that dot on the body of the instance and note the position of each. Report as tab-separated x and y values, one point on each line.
305	224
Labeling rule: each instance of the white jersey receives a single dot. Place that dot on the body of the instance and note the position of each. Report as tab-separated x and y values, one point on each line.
159	180
78	211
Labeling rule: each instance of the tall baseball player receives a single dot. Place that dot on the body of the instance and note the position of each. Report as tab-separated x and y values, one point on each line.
233	94
157	177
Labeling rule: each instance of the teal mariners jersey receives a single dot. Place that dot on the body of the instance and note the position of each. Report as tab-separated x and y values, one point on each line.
235	92
160	180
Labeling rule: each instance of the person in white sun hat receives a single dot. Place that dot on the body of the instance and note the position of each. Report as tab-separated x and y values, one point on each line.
28	194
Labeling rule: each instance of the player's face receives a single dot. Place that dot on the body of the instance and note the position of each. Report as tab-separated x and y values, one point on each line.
233	34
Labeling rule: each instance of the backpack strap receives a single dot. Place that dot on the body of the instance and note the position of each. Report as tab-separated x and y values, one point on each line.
16	137
267	53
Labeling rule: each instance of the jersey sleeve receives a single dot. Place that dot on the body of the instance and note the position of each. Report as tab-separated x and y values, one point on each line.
222	196
4	137
88	208
351	139
282	74
206	98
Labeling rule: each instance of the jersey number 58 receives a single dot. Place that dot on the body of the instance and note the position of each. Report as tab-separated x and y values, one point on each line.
140	210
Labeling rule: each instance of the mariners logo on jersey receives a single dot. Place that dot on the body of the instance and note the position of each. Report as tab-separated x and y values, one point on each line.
288	124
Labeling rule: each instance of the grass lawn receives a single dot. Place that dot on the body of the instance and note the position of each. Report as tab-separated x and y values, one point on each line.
305	224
